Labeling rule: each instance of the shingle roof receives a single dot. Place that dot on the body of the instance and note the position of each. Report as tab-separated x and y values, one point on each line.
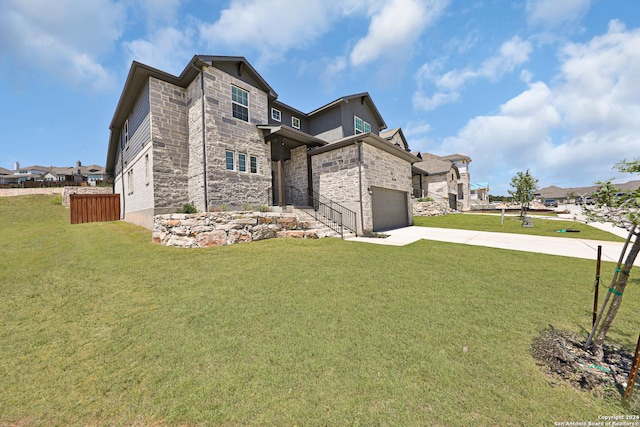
434	165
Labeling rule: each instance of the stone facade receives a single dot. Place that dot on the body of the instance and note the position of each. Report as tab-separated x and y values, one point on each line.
227	228
169	135
226	133
296	174
382	169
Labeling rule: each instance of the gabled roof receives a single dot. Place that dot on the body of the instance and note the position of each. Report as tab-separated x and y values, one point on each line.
362	97
139	75
389	134
4	171
371	139
434	165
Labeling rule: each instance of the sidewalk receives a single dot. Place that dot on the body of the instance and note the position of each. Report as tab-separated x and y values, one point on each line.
563	246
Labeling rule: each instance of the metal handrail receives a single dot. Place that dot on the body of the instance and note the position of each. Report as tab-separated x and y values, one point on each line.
349	216
328	212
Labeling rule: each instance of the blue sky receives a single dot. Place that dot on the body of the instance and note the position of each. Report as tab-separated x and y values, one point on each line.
546	85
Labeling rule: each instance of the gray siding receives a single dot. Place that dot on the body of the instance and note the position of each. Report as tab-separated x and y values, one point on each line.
139	131
327	125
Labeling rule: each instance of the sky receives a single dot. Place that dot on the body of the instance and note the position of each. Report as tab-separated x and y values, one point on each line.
552	86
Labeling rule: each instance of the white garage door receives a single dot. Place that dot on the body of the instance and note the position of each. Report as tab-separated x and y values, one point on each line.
389	208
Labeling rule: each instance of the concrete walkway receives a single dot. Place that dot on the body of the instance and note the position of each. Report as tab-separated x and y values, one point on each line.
563	246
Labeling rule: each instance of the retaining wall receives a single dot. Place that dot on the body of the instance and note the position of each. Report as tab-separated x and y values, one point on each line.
203	230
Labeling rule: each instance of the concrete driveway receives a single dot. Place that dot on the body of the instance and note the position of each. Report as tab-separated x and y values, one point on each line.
563	246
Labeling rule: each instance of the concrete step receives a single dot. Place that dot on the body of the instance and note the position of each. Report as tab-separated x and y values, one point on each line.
323	230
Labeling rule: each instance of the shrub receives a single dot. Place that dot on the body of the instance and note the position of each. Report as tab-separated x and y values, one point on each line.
189	208
425	199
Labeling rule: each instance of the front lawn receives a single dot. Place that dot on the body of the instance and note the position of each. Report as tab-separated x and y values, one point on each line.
513	224
100	326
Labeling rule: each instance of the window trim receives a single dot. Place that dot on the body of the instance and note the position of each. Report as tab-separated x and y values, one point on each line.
227	158
238	103
365	126
273	115
295	119
242	163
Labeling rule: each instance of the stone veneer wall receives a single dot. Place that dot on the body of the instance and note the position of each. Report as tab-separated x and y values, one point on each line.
204	230
68	191
295	173
224	132
382	169
169	134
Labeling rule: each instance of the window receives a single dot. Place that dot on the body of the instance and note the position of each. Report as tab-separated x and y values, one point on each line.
295	122
229	160
254	164
240	103
361	126
242	162
126	133
130	181
276	115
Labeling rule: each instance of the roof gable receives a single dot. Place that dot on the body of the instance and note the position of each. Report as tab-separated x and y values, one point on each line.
363	98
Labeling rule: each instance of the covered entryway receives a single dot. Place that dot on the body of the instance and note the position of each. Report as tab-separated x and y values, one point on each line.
389	208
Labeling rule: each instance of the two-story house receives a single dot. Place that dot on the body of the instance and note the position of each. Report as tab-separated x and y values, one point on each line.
217	136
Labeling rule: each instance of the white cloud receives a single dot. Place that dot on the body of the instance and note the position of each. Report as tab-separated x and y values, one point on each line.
553	13
513	53
167	49
396	27
271	27
576	129
430	103
69	36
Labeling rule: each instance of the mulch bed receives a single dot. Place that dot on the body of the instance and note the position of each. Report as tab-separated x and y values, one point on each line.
564	359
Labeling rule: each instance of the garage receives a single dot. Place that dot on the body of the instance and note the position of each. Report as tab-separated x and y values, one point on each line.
389	209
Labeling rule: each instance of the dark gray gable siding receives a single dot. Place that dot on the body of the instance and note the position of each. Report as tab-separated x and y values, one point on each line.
356	108
287	114
327	125
139	130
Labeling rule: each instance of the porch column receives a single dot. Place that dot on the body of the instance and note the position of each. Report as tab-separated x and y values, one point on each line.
281	196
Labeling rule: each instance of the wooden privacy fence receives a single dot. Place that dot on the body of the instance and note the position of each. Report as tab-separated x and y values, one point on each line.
94	208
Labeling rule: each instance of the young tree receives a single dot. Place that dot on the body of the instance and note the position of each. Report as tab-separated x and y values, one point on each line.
524	185
621	209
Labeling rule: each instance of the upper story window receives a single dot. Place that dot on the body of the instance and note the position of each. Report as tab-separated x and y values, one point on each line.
276	115
254	164
361	126
240	103
295	122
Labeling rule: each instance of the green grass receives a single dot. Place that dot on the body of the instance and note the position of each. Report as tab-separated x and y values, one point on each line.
513	224
99	326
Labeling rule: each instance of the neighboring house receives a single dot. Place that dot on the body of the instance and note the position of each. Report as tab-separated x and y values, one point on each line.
436	178
464	182
479	193
7	176
218	137
91	174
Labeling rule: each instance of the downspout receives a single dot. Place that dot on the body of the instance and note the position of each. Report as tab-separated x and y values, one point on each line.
204	145
359	144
